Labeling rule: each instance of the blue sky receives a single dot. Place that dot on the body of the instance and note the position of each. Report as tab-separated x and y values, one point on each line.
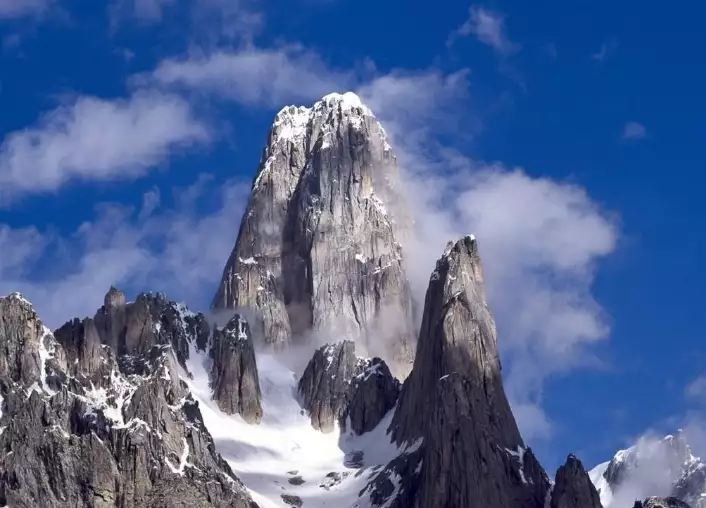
131	131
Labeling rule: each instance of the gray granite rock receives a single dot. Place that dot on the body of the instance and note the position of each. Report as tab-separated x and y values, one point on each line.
323	388
234	377
317	251
453	406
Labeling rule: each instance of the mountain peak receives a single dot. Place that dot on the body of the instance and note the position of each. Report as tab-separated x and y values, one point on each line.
346	100
294	122
17	296
317	250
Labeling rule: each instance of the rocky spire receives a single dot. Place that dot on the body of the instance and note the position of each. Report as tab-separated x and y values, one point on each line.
472	453
573	488
318	250
234	377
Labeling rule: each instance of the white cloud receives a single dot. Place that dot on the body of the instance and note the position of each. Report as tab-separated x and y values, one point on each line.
174	250
207	22
150	10
634	130
539	238
253	76
489	28
14	9
96	139
657	469
696	390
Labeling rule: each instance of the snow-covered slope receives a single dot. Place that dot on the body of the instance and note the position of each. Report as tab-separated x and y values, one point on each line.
601	484
284	455
652	467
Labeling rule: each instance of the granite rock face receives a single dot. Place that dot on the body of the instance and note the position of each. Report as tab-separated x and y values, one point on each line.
573	487
318	251
323	388
234	378
453	406
371	395
82	426
339	387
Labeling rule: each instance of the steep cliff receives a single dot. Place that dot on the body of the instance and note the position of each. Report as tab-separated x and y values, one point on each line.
453	402
318	252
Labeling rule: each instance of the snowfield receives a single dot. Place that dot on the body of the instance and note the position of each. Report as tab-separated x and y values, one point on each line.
284	455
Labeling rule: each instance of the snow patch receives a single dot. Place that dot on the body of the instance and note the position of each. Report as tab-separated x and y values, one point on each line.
18	296
182	460
601	484
44	356
373	370
361	258
519	454
262	455
248	261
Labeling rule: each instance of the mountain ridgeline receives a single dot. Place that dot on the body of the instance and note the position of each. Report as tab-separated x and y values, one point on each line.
147	404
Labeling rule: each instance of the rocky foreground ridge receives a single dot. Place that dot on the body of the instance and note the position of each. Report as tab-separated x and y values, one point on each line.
102	412
97	413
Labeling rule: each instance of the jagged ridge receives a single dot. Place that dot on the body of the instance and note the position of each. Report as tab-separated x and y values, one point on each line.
84	426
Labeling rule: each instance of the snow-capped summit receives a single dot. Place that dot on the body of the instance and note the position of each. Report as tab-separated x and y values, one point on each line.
652	467
322	233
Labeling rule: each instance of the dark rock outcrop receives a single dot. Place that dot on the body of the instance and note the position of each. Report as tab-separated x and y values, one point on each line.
339	387
83	427
323	388
453	405
661	502
573	488
317	251
234	377
371	395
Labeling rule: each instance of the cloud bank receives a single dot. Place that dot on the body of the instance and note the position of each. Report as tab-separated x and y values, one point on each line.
90	138
153	248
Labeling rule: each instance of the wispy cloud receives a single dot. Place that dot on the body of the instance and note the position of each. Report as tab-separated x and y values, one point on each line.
150	10
696	390
89	138
153	248
488	27
205	22
14	9
634	130
606	50
254	76
540	239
